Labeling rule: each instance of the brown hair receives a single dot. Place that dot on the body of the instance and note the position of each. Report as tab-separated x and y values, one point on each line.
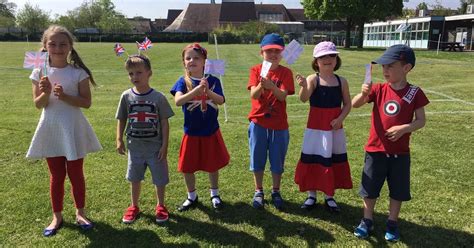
137	59
202	51
315	66
73	57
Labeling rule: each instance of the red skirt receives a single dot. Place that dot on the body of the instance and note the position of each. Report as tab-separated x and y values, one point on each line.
316	177
202	153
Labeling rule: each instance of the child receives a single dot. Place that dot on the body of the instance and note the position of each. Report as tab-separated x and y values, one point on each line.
268	129
147	133
387	150
323	164
63	135
202	146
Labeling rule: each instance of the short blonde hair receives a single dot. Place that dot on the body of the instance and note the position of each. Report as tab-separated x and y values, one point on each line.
136	60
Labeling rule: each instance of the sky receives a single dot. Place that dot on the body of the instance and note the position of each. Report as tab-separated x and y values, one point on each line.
159	8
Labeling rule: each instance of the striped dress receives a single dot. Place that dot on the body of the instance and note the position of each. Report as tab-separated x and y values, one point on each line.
323	165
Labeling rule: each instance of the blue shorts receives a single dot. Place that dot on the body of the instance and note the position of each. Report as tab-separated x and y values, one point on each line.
263	141
137	166
394	168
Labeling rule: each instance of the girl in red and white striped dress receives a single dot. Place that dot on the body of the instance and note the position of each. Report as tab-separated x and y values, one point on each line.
323	165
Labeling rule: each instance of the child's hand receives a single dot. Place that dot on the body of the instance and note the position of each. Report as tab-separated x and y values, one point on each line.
336	124
120	147
394	133
205	85
366	89
267	83
58	91
301	80
45	85
163	153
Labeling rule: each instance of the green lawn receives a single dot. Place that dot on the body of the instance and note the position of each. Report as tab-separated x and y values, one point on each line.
440	213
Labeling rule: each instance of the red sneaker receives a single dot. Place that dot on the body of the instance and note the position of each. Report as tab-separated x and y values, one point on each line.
131	214
161	214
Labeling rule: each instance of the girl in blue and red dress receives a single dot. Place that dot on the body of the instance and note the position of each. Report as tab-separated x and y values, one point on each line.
202	146
323	165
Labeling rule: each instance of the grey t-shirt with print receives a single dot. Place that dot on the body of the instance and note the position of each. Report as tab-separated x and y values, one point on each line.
143	113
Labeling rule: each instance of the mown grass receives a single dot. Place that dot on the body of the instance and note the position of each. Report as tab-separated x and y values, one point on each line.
440	213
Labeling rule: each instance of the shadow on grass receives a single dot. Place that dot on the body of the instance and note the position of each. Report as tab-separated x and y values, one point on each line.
412	234
104	235
272	226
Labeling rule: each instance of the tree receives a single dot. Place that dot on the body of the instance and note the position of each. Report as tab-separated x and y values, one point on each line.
99	14
33	19
439	10
463	6
353	12
422	6
7	16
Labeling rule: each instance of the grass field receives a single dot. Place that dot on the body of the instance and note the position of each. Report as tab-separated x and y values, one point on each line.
439	215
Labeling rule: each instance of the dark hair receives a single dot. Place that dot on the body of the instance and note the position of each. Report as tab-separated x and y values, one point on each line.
74	58
137	59
315	66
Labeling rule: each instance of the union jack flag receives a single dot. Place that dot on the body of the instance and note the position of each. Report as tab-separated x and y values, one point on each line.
119	50
34	59
145	45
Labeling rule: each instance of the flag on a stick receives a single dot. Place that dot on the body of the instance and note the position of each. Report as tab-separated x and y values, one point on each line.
119	50
35	59
214	67
292	52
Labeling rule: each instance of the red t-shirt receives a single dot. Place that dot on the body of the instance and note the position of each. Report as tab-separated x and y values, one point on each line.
267	111
392	108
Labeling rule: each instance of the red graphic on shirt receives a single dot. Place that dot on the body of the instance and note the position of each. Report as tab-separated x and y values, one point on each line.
391	108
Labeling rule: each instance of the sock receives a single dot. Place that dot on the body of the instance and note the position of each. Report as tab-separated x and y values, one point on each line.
259	199
330	203
310	201
191	195
215	192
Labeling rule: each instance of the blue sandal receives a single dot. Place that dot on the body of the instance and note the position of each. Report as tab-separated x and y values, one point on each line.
51	232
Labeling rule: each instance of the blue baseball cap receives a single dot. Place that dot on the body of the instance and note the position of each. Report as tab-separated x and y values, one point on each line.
397	53
272	40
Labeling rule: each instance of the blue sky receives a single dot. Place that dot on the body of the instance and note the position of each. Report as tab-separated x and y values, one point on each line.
159	8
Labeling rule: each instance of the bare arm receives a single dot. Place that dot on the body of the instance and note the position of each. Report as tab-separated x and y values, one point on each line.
41	92
394	133
256	91
307	87
363	97
180	99
84	100
119	136
277	92
165	132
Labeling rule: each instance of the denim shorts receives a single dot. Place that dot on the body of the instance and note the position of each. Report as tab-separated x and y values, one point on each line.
137	166
380	166
263	141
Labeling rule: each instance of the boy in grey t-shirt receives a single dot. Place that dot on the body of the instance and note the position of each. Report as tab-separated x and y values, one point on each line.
144	113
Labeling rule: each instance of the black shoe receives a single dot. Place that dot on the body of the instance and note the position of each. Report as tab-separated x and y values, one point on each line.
331	209
193	204
219	204
309	206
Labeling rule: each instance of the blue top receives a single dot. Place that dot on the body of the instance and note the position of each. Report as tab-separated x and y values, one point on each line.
197	122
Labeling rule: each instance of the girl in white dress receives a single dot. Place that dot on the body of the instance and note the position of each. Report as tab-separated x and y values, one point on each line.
63	135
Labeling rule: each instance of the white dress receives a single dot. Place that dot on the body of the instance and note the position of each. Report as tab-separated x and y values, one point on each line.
63	130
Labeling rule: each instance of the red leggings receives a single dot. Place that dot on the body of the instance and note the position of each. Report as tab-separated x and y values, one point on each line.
58	167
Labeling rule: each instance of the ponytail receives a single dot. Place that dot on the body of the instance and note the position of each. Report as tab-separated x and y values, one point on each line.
76	61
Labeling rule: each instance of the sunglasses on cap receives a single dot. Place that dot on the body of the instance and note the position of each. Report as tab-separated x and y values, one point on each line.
199	48
328	55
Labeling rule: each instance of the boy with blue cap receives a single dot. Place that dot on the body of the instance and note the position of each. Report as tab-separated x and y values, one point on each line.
268	129
398	111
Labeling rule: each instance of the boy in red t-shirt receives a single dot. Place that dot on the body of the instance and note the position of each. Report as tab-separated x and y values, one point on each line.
268	129
396	102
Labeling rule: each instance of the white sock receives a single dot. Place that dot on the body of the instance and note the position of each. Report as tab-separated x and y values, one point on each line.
215	192
310	201
330	203
191	195
259	199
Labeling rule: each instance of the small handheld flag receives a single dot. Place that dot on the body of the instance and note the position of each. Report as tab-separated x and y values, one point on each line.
292	52
35	59
368	74
265	68
145	45
214	66
119	50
